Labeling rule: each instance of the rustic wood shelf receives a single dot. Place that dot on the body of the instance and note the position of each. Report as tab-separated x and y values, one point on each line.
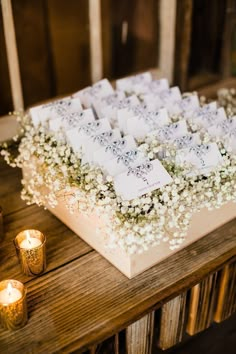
81	299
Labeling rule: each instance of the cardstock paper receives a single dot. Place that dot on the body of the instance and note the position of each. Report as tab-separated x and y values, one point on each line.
114	149
203	158
145	122
100	89
141	179
77	136
130	84
123	162
170	132
71	120
52	110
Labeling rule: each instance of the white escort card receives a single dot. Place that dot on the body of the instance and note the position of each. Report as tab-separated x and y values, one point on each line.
116	148
77	136
202	158
97	141
103	105
170	132
203	110
124	111
71	120
123	162
157	86
145	122
186	106
152	101
187	140
132	83
170	97
141	179
111	110
182	142
211	118
223	128
43	113
100	89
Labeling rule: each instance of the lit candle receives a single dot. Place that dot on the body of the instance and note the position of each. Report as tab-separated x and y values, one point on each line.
13	309
30	242
30	248
9	295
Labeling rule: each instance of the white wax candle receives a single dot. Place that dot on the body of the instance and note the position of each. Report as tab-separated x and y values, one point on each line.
30	242
9	295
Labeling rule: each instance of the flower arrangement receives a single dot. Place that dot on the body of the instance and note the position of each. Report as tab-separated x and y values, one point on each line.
159	216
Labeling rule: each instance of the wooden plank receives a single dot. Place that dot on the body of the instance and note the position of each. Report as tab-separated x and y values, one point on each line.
227	35
95	40
167	15
202	305
172	322
226	302
90	301
10	187
139	335
35	56
183	38
68	32
12	55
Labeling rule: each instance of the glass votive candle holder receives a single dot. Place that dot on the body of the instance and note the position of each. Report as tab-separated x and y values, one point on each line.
13	307
30	249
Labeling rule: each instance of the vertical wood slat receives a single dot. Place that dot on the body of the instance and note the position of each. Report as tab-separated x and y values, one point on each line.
167	37
226	302
12	56
139	335
95	40
172	322
183	38
202	305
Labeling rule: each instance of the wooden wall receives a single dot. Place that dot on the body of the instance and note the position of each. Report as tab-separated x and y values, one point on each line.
53	45
54	51
53	48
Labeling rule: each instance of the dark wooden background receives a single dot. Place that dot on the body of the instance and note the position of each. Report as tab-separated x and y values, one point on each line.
53	44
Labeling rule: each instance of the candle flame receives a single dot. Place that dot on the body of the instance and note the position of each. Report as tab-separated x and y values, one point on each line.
9	289
28	236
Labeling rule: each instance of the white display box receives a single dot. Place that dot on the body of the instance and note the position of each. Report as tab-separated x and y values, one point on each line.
86	228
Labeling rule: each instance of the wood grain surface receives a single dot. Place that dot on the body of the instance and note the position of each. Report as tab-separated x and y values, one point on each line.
81	299
172	322
202	305
226	303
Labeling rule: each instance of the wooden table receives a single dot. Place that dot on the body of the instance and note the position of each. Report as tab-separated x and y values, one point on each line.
81	299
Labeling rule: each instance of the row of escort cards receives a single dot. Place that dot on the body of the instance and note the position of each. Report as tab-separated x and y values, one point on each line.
105	125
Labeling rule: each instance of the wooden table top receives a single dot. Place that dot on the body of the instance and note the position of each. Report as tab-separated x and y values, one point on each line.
81	299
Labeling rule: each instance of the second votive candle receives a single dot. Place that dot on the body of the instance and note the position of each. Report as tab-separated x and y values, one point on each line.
30	249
